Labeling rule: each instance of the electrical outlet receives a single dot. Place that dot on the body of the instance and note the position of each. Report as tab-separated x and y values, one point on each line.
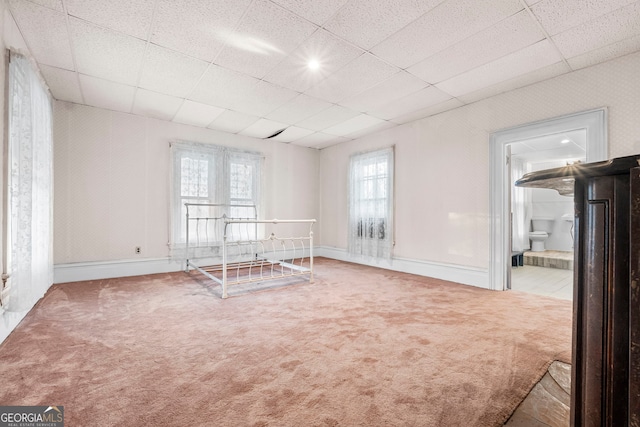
138	249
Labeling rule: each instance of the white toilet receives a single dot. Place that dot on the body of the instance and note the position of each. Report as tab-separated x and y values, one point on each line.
541	229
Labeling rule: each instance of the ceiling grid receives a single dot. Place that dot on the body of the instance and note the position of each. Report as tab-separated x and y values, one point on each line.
241	66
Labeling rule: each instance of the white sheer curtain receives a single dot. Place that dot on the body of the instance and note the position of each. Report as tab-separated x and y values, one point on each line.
194	171
29	257
207	173
520	208
371	203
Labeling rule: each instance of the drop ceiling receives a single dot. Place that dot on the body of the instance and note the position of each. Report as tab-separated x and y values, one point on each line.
240	66
565	147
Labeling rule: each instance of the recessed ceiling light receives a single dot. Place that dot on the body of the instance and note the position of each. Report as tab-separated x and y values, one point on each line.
313	64
565	141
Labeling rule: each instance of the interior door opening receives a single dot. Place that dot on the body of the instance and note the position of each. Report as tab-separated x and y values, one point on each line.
592	123
542	219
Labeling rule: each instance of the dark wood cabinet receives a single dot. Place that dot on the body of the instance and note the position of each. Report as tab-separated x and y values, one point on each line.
605	389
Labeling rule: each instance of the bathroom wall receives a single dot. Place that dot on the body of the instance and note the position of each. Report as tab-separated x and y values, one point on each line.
549	204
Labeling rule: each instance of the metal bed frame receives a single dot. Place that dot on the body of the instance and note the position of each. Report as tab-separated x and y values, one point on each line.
245	257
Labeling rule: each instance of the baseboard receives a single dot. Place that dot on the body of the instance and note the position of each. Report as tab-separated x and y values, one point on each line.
455	273
76	272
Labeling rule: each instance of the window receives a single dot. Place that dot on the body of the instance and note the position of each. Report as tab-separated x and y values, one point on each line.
370	204
212	174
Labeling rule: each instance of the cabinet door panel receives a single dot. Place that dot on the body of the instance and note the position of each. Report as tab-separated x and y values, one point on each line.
593	313
602	304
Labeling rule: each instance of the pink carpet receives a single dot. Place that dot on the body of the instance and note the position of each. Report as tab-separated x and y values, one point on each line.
360	347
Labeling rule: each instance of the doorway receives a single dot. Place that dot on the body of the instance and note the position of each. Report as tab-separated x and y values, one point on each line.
592	123
542	219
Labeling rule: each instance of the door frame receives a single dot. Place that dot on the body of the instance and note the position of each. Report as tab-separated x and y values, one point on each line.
593	121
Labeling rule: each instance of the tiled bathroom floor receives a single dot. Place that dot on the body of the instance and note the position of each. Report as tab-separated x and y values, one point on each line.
553	282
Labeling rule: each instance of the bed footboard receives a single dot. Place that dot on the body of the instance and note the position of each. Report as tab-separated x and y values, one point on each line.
244	258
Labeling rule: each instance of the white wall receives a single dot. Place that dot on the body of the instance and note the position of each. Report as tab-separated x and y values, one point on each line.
442	163
111	173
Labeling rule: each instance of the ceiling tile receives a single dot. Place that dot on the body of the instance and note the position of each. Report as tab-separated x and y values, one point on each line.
575	145
507	36
445	25
418	100
543	156
299	108
327	118
263	128
132	17
196	27
253	63
619	25
521	62
64	84
197	114
106	54
222	87
369	130
331	52
395	60
12	36
558	16
263	98
315	11
366	23
170	72
45	31
292	133
232	121
51	4
266	34
320	140
428	111
105	94
358	75
153	104
605	53
541	74
550	146
395	87
354	124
